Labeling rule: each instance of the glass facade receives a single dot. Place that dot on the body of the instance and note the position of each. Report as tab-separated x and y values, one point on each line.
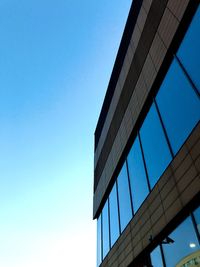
125	210
185	243
197	219
156	257
156	151
174	113
105	230
181	248
188	52
99	245
179	106
138	180
114	215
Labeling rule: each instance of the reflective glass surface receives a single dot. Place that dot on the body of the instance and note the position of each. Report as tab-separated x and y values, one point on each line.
156	258
114	217
138	181
124	198
179	106
156	151
197	218
185	246
99	241
189	52
105	226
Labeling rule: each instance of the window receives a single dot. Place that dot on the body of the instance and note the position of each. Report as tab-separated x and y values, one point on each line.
99	247
185	244
189	53
138	180
124	198
156	151
197	218
105	226
179	106
156	258
114	216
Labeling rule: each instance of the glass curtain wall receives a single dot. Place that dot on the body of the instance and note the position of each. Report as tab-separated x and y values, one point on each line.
156	257
114	216
188	52
125	208
99	241
182	243
154	144
138	179
179	106
105	230
173	115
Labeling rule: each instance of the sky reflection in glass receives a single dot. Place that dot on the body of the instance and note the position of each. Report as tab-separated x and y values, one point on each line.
197	218
179	106
124	198
185	243
114	216
189	51
138	180
105	226
99	256
156	258
156	151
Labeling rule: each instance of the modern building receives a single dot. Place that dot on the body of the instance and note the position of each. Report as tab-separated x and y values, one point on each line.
147	141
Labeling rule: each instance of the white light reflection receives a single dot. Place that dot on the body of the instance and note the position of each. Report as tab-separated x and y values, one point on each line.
192	245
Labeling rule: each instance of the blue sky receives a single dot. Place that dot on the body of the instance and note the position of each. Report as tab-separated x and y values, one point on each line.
56	58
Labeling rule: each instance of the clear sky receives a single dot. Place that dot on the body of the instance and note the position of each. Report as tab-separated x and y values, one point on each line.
56	57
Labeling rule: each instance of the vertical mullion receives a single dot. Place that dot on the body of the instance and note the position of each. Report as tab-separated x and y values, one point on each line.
120	231
187	76
164	129
163	256
129	185
144	162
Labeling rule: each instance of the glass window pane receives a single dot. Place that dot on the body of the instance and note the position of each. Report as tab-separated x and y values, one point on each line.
124	198
179	106
156	152
189	52
197	218
99	241
185	247
138	181
105	226
156	258
114	218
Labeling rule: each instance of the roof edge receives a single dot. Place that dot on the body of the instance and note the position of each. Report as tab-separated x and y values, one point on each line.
125	40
